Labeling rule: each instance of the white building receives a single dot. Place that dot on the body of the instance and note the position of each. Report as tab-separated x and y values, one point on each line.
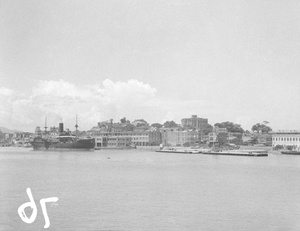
103	139
286	138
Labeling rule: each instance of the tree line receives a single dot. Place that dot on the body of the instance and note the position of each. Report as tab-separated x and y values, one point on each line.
230	126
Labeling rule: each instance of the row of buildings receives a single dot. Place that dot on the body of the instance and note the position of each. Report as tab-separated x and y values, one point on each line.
191	132
15	139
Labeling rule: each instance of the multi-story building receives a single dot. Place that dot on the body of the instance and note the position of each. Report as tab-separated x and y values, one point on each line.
112	142
265	139
136	138
218	135
286	138
155	137
2	138
175	137
140	138
194	123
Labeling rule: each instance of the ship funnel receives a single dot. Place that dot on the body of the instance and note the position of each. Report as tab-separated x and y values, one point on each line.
61	128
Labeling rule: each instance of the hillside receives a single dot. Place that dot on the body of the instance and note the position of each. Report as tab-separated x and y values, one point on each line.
6	130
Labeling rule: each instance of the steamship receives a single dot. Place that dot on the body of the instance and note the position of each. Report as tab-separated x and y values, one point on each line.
63	141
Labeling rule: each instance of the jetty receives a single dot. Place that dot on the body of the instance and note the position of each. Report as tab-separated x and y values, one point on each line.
206	151
257	153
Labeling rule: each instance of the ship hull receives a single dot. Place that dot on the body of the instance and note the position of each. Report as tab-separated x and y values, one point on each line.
79	144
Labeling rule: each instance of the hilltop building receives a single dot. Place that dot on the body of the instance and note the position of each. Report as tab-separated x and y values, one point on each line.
194	123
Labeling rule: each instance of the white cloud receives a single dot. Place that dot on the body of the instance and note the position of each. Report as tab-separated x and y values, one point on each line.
61	101
6	91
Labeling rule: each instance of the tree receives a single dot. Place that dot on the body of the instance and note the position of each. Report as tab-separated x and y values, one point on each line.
140	123
170	124
156	125
231	127
128	128
278	147
261	128
207	129
186	144
123	120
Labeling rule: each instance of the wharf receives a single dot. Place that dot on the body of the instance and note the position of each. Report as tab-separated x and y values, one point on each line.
175	151
254	153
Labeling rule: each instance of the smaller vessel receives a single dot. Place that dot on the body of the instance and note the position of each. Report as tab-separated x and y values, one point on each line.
291	152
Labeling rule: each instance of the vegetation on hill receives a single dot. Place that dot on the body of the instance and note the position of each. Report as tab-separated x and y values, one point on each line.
231	127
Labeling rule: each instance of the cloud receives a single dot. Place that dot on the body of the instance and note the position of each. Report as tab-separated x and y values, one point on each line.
61	101
6	91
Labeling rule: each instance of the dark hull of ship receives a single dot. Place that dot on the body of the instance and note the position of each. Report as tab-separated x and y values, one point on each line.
80	144
291	152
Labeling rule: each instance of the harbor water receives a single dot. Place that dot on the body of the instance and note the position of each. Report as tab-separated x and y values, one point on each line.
145	190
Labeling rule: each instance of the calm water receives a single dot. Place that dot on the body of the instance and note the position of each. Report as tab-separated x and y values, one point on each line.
144	190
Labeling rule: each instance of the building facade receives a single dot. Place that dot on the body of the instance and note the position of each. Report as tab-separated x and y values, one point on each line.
118	138
286	139
155	137
175	137
194	123
112	142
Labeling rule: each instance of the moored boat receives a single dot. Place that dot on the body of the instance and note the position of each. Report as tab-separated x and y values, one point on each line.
291	152
62	141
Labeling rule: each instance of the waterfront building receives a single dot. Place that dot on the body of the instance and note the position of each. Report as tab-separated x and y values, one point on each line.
155	137
112	142
265	139
235	138
212	137
140	138
204	138
178	137
2	138
286	139
135	138
218	135
194	123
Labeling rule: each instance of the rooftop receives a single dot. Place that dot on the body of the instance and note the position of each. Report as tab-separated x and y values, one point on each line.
286	132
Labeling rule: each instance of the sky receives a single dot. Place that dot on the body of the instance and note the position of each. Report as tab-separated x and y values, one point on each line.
161	60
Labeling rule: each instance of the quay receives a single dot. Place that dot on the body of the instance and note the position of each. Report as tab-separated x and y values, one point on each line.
239	152
257	153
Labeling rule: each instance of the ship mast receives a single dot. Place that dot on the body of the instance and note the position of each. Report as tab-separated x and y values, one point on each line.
76	126
45	124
